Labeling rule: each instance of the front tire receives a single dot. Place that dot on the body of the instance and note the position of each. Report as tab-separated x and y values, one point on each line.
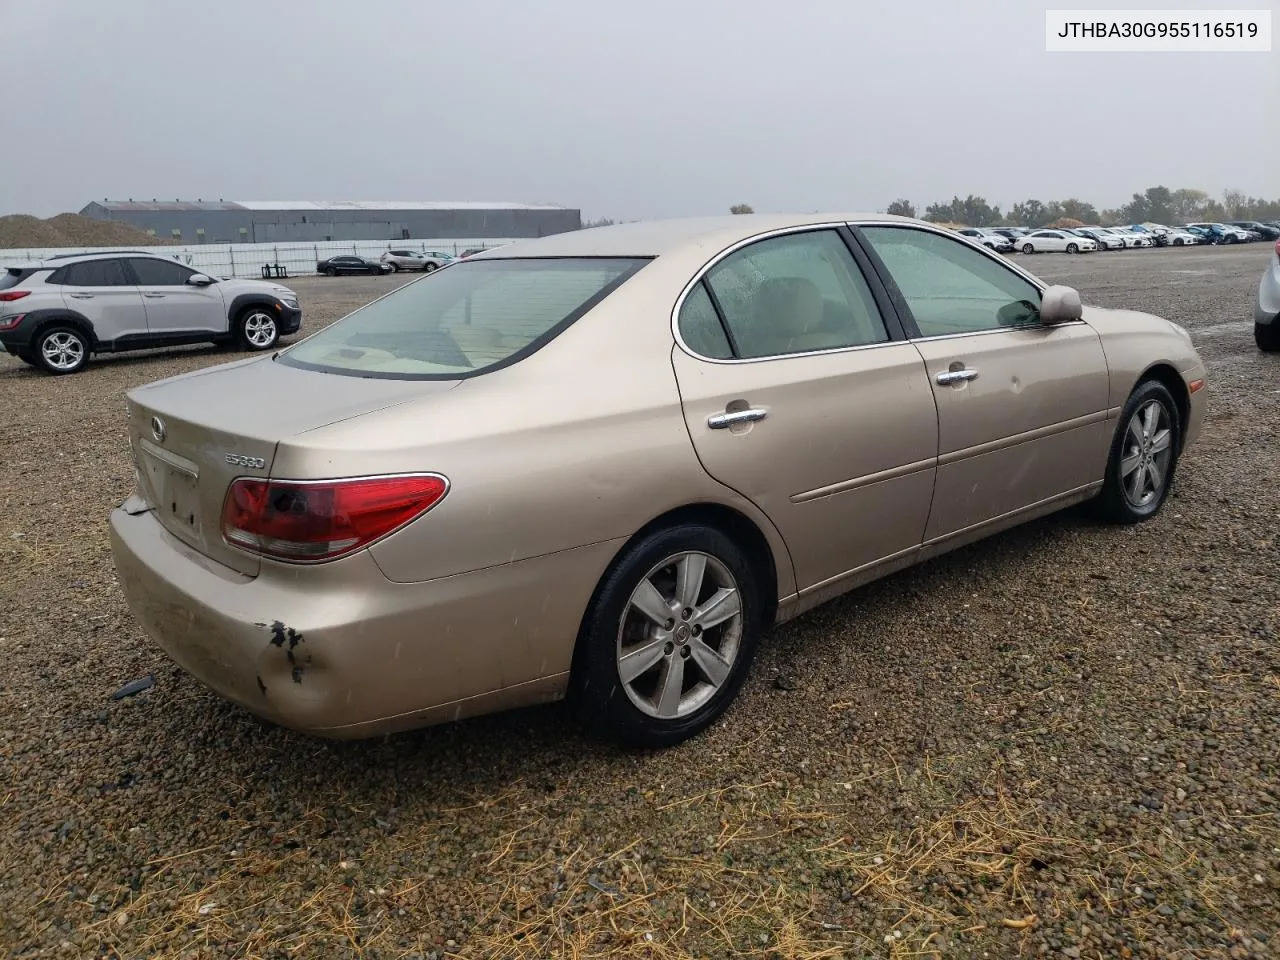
668	638
257	329
1267	336
1028	248
61	350
331	272
1072	248
428	267
1144	456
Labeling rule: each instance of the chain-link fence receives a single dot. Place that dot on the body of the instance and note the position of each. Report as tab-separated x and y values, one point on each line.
249	259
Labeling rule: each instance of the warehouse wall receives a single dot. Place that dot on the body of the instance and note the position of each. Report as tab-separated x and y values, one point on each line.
267	226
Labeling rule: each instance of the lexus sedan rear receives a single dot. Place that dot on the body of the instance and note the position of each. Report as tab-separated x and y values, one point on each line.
601	464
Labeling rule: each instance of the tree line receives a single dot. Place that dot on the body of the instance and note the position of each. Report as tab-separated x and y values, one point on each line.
1155	205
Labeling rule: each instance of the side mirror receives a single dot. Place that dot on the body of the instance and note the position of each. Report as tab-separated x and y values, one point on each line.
199	280
1060	304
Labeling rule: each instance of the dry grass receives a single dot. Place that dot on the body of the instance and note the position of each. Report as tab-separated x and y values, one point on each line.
986	871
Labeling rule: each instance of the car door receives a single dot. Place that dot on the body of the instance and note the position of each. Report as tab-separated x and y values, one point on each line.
1022	406
1049	240
800	393
176	308
103	293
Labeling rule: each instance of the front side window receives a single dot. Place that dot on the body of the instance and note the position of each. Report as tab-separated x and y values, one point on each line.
794	294
949	286
459	322
159	273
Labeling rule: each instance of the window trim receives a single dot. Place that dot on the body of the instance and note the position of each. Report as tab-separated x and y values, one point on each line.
914	335
893	324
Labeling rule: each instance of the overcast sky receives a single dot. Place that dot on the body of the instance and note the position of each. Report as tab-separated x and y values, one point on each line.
626	110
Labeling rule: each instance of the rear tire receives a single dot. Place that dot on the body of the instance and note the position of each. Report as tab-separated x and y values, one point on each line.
1144	456
1267	336
330	272
257	329
657	678
61	349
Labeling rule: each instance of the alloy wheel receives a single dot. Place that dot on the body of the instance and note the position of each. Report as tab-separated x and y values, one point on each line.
62	350
1148	451
680	635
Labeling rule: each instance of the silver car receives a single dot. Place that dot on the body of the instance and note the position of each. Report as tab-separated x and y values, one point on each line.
56	313
1266	315
424	260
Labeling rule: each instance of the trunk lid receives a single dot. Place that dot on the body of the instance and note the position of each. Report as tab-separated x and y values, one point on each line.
192	435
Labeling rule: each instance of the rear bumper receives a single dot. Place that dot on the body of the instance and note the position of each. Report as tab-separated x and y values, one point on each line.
340	651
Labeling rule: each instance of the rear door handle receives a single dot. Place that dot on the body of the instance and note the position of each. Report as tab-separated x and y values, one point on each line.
154	296
719	421
956	376
81	296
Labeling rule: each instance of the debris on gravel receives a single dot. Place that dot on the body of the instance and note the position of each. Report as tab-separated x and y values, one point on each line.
1060	742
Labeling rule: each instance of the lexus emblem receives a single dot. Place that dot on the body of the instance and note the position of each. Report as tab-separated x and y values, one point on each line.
157	429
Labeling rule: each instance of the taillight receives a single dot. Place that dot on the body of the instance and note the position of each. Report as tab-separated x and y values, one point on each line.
8	296
310	521
1278	248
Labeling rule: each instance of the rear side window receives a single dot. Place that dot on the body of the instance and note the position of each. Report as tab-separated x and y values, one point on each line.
12	277
159	273
454	323
92	273
700	326
795	294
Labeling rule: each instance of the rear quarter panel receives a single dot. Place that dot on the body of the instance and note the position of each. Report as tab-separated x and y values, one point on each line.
582	442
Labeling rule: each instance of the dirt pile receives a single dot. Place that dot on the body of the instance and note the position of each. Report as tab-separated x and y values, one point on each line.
21	230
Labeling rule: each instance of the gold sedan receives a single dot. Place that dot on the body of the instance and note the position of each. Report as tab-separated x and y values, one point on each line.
601	464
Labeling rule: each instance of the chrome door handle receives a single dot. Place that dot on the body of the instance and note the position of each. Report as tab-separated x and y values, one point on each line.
81	296
718	421
956	376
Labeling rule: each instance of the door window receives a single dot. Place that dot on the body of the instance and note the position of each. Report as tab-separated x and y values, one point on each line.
949	286
700	326
794	294
159	273
93	273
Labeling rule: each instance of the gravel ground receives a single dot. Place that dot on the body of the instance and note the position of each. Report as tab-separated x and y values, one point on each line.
1059	742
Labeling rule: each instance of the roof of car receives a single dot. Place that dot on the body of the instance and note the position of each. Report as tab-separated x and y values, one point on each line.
651	238
62	259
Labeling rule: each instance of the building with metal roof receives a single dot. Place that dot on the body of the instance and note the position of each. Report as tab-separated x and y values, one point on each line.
285	221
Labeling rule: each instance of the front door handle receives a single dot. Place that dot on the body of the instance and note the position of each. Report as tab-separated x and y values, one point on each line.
719	421
154	296
81	296
956	376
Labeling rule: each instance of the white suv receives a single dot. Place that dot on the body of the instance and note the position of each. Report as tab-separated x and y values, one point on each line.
415	260
55	313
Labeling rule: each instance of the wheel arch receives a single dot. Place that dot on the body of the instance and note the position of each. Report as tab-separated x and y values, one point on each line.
246	301
1165	373
55	317
727	520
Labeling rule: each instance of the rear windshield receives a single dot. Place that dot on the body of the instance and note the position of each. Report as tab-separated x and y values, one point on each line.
471	317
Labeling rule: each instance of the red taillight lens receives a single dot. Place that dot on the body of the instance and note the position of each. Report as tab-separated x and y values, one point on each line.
322	520
1278	248
8	296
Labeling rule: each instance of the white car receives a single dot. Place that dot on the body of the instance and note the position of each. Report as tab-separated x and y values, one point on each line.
425	260
988	238
1104	240
1133	238
1055	241
1180	238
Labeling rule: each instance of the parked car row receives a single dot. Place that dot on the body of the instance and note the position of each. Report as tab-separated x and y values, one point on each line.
392	261
1090	238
